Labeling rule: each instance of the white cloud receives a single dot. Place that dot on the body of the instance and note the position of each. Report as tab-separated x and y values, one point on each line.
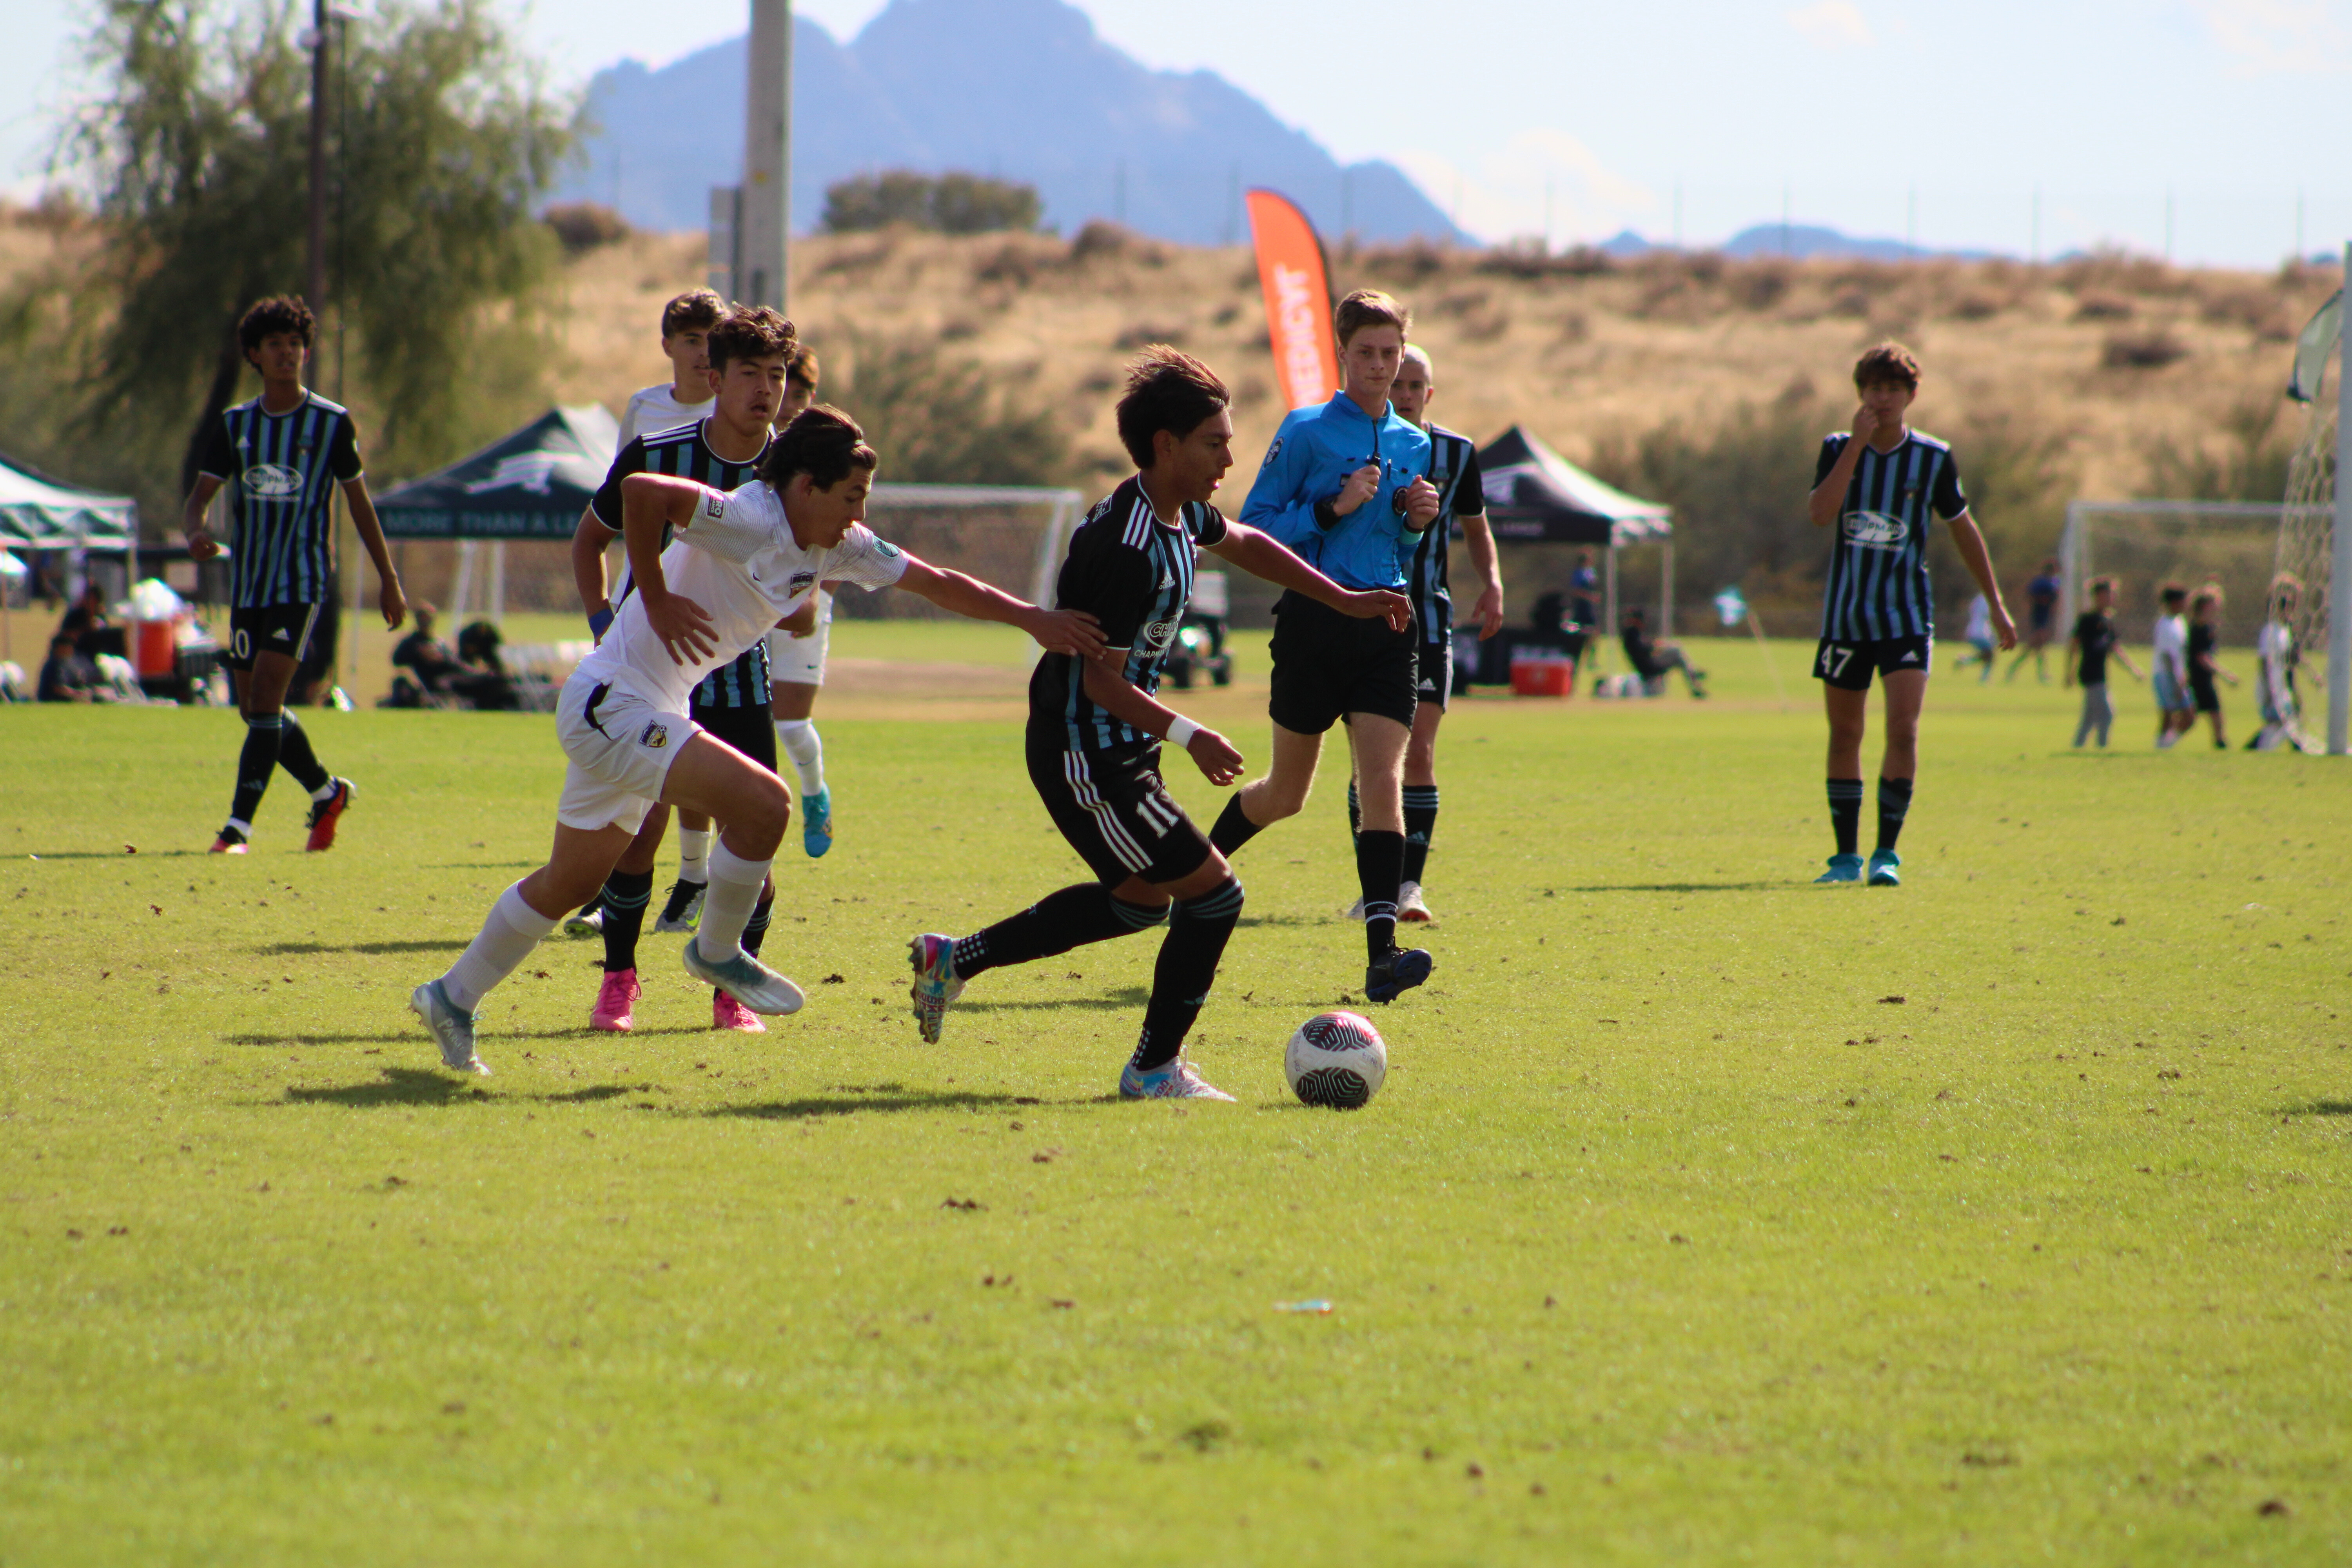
2290	36
1506	193
1832	24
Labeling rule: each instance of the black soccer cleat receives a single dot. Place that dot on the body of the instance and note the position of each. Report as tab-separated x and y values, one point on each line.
683	912
1400	971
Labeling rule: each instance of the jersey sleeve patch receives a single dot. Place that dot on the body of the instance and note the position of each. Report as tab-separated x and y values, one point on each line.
733	527
865	559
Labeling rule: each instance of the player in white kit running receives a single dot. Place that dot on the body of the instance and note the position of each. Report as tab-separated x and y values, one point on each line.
740	563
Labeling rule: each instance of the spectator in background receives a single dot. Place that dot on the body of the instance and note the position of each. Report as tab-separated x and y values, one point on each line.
442	673
86	623
1978	637
67	677
2204	637
2088	652
2041	621
1583	591
2176	708
1651	660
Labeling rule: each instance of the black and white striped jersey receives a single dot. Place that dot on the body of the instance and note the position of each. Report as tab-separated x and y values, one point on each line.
685	451
1134	574
282	470
1454	469
1878	562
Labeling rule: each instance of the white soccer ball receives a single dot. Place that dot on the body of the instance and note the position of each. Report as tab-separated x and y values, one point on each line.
1335	1059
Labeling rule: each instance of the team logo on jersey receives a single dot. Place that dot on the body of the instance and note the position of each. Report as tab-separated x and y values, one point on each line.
654	736
270	479
799	581
1875	530
714	505
1158	635
1272	452
887	550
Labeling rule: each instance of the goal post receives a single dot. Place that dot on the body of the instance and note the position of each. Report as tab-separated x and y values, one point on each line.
2339	598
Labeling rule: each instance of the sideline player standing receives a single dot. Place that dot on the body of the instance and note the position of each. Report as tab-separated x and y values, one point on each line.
746	352
1453	470
2088	648
1344	485
1094	728
686	323
281	455
2276	657
1883	487
796	657
735	564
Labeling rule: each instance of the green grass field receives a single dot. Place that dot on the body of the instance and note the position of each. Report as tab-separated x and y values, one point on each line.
1673	1236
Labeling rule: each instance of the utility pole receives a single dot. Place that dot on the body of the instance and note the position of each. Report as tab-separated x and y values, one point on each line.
763	234
314	287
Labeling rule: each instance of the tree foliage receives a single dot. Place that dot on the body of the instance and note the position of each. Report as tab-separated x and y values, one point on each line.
938	420
951	203
196	148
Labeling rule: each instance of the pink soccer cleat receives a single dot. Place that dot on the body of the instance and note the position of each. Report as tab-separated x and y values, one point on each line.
611	1015
726	1013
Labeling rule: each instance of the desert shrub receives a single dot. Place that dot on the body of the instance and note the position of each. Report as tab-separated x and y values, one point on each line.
2104	305
2150	350
2245	457
937	419
1138	334
585	225
953	203
1415	261
1759	285
1103	239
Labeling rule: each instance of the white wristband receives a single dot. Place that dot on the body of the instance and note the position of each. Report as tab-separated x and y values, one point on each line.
1181	732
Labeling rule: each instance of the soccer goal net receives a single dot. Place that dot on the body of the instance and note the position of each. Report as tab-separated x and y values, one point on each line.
2305	583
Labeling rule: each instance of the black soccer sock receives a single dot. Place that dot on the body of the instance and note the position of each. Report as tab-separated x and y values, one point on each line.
1420	822
1894	805
1197	932
294	754
1355	813
1845	812
755	930
264	733
1379	868
1234	828
626	894
1057	922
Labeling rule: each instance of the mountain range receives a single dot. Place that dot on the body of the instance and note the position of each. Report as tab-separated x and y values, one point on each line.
1020	89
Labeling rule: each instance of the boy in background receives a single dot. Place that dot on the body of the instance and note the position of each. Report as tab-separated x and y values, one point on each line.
686	323
2088	652
2041	621
2204	637
2175	711
2275	650
796	655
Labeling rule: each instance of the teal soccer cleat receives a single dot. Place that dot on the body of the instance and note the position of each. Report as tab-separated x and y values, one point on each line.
1886	868
1177	1080
816	823
1842	869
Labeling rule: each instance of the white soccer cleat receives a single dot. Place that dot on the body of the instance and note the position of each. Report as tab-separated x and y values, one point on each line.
1177	1080
747	980
452	1030
1410	906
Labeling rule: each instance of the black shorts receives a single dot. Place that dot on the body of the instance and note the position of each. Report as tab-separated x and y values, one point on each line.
1846	663
1433	668
269	628
2207	695
1116	811
1326	665
749	730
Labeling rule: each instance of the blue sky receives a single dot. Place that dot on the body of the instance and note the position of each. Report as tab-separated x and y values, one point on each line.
1935	118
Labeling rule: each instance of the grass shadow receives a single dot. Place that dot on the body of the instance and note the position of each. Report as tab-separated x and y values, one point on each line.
479	865
113	855
801	1110
422	945
403	1038
1127	996
1686	887
1281	920
2320	1107
399	1086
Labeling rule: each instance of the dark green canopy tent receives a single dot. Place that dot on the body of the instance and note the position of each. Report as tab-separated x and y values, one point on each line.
533	484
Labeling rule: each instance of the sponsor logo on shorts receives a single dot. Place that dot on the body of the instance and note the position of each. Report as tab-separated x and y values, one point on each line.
267	479
654	736
1911	656
1875	530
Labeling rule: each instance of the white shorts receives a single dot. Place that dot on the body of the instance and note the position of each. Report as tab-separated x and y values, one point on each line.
620	756
800	661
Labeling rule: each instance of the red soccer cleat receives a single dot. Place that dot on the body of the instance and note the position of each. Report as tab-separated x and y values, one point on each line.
726	1013
611	1015
325	814
224	844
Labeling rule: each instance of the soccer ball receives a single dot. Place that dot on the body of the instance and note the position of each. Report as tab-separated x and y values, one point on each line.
1335	1059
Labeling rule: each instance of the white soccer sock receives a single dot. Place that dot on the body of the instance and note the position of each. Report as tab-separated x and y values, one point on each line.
800	741
735	885
693	844
507	937
325	790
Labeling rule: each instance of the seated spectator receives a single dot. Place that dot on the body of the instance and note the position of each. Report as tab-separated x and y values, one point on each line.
478	680
67	677
86	624
1651	659
1550	625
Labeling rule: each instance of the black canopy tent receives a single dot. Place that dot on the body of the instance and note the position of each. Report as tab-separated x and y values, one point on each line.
1535	496
530	485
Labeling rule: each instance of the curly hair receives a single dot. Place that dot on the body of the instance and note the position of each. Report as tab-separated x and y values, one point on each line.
749	333
696	309
1167	389
280	313
801	366
1887	362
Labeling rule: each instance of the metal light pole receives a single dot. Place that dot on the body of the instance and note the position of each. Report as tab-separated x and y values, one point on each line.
2339	575
314	291
763	232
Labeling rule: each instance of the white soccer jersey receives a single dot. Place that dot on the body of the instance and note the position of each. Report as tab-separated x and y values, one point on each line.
1979	620
655	408
2172	646
738	561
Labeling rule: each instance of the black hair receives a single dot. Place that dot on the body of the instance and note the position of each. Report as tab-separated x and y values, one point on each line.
749	333
281	313
822	443
1167	389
